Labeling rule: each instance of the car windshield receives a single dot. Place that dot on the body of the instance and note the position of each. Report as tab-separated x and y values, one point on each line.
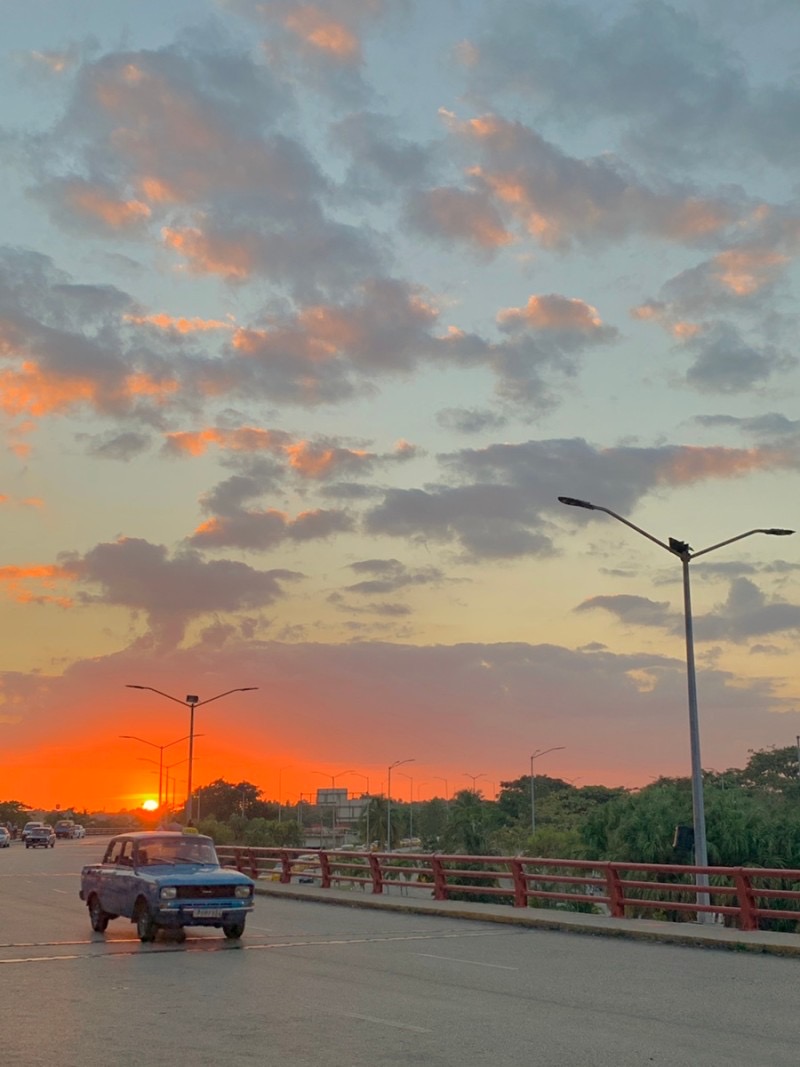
176	850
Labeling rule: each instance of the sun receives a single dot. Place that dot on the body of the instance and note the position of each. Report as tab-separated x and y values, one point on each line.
150	805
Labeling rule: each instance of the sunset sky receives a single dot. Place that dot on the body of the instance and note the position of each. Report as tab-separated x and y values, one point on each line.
309	312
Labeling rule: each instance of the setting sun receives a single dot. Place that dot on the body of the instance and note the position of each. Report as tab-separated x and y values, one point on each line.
150	805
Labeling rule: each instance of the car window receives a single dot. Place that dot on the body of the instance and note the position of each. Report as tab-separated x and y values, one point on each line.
113	852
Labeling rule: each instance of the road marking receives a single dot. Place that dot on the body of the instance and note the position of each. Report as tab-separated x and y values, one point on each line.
385	1022
210	944
472	963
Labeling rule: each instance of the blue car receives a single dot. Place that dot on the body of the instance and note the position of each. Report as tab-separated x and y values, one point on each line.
166	880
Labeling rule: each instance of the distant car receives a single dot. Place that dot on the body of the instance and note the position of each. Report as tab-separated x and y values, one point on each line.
5	838
78	830
28	827
162	879
65	828
41	837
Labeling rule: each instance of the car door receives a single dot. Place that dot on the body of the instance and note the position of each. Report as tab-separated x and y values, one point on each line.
109	888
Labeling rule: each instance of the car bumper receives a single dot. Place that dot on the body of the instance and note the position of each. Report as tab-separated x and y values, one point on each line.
199	913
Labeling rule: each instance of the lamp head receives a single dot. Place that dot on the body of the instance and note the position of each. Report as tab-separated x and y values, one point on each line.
778	533
573	502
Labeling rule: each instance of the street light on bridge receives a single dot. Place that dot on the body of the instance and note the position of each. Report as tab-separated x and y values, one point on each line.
685	554
191	702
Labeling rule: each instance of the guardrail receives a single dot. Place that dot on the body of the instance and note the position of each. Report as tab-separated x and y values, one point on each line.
740	896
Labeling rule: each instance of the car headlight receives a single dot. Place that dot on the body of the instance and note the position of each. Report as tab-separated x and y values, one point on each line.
243	891
168	892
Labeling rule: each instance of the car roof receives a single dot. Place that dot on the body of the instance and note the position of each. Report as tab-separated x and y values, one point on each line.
148	835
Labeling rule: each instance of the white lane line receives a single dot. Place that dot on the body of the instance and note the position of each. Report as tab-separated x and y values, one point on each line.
385	1022
472	963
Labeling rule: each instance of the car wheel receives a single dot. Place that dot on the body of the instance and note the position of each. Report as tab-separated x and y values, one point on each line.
233	931
146	927
97	917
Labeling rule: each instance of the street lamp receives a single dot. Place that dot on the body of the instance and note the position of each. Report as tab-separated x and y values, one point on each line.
411	805
439	778
474	778
192	702
358	774
397	763
685	554
152	744
539	752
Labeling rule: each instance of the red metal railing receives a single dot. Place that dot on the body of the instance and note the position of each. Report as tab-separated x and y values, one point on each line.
739	894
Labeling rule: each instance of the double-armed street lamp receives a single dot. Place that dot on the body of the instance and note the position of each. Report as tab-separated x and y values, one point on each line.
152	744
685	554
474	778
539	752
192	702
397	763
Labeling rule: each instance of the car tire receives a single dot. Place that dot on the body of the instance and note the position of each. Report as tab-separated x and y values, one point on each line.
233	931
146	926
97	917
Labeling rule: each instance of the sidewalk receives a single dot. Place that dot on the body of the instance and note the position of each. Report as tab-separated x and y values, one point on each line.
693	934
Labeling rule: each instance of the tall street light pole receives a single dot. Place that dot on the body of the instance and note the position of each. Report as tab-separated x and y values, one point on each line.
685	554
474	778
397	763
411	805
539	752
438	778
192	702
152	744
358	774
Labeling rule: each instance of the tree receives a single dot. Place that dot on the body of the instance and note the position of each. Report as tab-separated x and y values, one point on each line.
221	800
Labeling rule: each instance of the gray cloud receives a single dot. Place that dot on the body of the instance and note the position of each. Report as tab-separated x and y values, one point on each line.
680	94
171	589
506	504
725	362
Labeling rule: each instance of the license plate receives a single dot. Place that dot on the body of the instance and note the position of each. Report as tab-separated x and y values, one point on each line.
207	913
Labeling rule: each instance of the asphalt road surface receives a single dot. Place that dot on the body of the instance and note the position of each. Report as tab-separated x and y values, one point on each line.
313	984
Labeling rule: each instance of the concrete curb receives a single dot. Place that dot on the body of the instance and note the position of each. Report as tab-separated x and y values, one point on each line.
686	934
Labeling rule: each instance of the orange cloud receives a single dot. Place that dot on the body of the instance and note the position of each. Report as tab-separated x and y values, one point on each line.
553	312
14	580
317	29
31	390
689	464
745	271
314	462
94	202
37	392
232	259
456	213
179	325
245	439
657	312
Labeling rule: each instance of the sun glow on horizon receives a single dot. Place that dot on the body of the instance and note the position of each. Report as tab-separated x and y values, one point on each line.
150	805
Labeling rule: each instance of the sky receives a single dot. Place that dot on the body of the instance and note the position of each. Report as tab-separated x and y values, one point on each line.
309	313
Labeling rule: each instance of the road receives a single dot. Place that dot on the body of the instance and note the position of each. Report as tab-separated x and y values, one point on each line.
314	984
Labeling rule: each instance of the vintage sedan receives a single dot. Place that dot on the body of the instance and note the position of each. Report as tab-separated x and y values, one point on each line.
41	837
5	837
166	880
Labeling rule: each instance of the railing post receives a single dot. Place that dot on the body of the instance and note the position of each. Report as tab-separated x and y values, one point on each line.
520	883
375	872
748	920
616	894
325	869
439	878
286	869
251	856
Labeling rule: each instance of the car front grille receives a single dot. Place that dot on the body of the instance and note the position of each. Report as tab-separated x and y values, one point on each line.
205	892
